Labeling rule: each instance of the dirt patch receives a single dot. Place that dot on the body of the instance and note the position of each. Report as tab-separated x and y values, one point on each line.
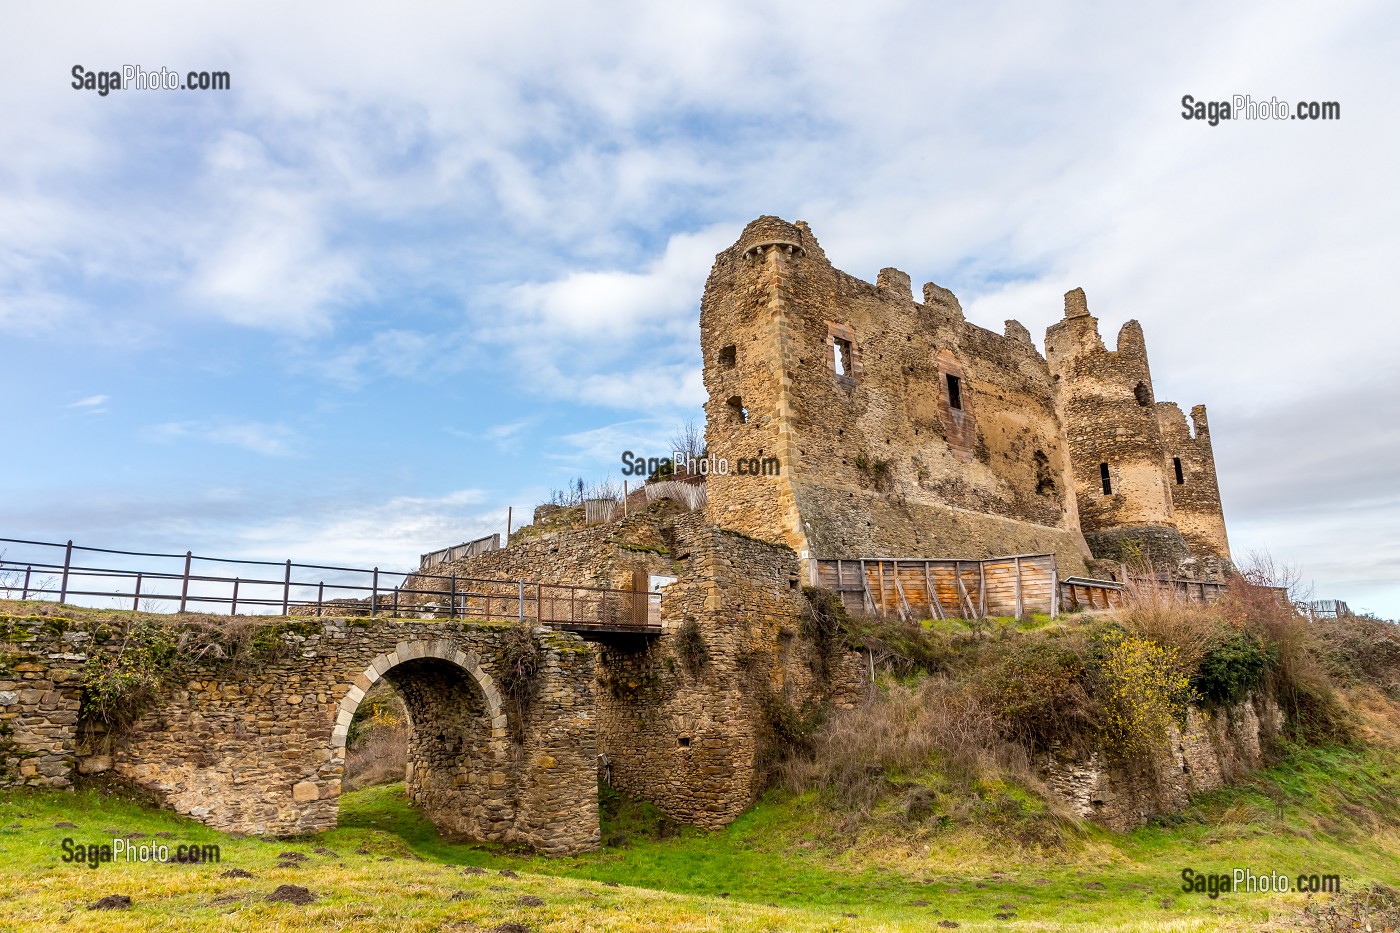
112	902
235	873
291	856
473	870
65	825
291	894
529	900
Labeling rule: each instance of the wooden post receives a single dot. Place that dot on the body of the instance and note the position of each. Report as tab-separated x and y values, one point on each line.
185	584
396	602
27	572
1020	604
510	510
136	597
374	594
981	589
67	563
233	606
320	595
521	604
880	568
454	591
1054	592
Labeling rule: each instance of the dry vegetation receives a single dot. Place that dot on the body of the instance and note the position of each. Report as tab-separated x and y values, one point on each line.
966	708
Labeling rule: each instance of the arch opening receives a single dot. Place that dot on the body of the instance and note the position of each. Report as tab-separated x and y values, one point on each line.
458	767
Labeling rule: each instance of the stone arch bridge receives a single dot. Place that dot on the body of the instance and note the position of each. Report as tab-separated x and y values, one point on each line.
262	749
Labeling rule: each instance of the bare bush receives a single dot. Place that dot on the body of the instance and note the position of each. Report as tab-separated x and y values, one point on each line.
379	757
1158	614
903	730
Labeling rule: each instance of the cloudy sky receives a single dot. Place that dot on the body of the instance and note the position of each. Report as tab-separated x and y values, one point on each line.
418	265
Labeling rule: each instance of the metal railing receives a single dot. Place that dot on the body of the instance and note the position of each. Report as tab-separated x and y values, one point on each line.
156	582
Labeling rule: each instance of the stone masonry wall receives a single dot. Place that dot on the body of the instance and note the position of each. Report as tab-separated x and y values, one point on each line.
1196	498
686	735
1107	405
876	457
261	749
41	667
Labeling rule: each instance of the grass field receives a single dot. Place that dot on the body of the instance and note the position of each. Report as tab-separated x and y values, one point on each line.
782	866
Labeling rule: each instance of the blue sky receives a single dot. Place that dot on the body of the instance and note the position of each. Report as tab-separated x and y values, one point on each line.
421	264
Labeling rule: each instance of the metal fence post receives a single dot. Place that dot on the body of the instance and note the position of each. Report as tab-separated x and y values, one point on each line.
522	602
136	597
320	593
27	572
454	594
374	594
396	602
287	589
185	584
67	562
233	607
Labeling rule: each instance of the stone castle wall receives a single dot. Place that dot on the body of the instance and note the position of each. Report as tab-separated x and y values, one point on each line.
1195	491
681	717
848	383
903	430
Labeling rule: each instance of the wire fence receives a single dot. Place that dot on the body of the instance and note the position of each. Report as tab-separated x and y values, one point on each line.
156	582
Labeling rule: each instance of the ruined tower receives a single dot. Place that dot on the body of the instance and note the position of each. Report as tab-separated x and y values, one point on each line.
901	428
1133	459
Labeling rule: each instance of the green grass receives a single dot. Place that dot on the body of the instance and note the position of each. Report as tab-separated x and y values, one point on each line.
784	865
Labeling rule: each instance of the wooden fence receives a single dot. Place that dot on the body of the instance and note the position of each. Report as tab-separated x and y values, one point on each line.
926	588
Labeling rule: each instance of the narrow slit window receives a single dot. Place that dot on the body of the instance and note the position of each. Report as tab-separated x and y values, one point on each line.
1180	476
1106	479
954	392
841	356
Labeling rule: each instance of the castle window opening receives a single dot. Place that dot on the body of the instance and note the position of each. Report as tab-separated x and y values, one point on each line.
841	356
737	409
1143	394
1044	477
684	741
954	392
1180	476
728	356
1105	479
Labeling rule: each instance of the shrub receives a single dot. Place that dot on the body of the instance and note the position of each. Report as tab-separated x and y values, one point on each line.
1037	688
1144	693
824	623
1231	667
520	664
690	645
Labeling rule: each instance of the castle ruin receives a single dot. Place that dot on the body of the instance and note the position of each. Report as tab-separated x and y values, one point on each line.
904	430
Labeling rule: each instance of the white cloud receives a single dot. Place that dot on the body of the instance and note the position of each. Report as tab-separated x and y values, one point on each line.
269	440
92	405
